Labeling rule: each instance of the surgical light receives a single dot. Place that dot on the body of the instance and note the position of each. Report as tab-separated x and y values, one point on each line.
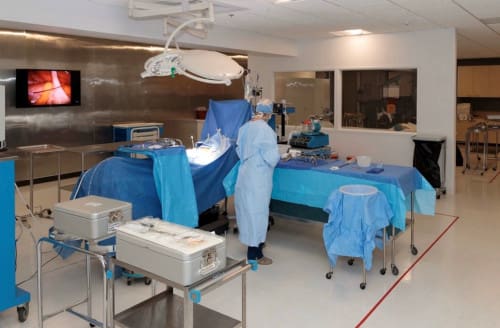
200	65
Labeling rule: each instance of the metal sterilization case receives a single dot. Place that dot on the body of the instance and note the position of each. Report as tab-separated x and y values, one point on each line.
91	217
178	253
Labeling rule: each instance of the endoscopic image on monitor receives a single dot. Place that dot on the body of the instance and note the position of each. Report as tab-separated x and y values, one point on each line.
49	87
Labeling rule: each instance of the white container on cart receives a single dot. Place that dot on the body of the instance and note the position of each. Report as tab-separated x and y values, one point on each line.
180	254
91	217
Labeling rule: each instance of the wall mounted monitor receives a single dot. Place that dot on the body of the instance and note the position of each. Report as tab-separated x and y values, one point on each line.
46	87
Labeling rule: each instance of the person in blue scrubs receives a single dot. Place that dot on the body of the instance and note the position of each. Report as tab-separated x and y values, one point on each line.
258	151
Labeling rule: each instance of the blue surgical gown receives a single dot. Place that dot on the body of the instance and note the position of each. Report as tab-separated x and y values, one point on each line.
258	152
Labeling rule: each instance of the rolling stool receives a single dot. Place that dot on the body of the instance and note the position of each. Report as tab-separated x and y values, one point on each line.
356	214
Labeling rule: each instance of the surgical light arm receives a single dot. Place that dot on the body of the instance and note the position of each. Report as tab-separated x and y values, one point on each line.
200	65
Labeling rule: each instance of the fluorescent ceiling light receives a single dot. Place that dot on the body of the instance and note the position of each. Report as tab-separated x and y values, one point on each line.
350	32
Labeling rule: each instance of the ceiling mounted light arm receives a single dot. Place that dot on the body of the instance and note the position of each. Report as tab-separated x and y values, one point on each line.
209	19
200	65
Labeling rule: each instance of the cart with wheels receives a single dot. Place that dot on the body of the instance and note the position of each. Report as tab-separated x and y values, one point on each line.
166	309
356	214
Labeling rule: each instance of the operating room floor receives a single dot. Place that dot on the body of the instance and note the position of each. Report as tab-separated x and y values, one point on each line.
449	283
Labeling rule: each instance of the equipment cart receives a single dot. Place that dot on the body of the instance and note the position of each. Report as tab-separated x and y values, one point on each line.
167	310
10	294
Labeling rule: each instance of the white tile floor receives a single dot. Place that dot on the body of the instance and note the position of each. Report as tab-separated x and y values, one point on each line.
450	283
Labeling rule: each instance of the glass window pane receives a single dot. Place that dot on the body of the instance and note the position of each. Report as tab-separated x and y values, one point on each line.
380	99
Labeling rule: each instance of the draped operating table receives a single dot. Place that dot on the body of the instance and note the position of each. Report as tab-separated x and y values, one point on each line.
166	184
301	189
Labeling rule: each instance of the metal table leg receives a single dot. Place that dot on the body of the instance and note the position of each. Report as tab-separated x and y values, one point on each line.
394	268
89	289
58	177
413	249
31	184
188	310
243	300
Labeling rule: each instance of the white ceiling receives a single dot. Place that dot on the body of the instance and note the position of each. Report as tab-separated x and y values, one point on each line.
477	22
316	18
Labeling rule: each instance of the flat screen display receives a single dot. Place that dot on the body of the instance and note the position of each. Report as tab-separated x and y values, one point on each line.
45	87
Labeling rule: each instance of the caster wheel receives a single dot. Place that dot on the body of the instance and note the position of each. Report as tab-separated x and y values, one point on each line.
438	196
382	271
350	261
91	325
129	281
22	312
147	281
235	230
395	270
328	275
444	191
414	250
362	285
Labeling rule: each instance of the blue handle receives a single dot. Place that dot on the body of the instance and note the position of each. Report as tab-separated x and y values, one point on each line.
195	296
254	264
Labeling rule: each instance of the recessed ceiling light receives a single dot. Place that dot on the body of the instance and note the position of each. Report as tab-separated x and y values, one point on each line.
285	1
350	32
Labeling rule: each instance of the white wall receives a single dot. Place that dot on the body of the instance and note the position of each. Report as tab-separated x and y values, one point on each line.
109	19
432	53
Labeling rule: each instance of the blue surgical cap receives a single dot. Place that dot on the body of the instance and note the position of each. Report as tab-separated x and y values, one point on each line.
264	106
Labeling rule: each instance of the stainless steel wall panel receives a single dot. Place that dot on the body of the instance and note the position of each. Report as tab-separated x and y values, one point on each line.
111	91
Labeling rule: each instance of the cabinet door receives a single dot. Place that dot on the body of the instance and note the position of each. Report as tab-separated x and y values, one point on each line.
480	81
464	81
493	81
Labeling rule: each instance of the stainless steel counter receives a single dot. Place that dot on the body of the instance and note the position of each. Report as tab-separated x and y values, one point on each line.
7	157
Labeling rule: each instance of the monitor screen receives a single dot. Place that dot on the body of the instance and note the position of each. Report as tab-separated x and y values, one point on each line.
38	87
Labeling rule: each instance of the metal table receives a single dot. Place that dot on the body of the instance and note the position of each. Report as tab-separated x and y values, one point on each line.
41	150
105	274
167	310
96	149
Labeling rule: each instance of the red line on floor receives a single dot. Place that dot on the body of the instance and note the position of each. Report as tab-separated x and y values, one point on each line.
404	274
494	177
449	215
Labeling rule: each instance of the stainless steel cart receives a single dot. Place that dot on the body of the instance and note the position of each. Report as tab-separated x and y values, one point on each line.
37	150
102	260
472	143
167	310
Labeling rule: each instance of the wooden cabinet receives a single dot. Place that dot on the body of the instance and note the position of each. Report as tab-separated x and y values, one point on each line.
478	81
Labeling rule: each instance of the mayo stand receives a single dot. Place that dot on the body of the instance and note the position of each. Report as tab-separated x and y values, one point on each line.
41	150
169	310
